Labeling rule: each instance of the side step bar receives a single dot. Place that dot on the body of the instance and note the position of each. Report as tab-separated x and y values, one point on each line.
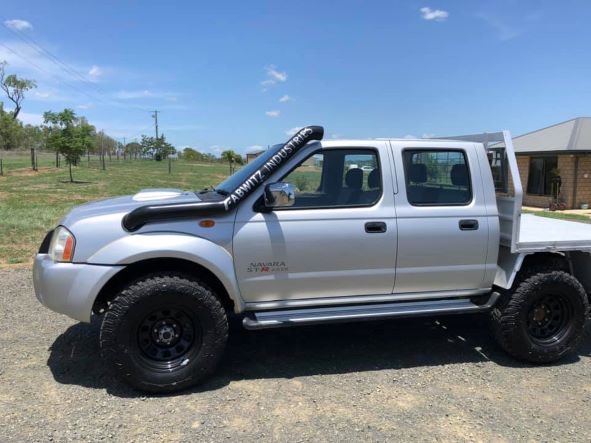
376	311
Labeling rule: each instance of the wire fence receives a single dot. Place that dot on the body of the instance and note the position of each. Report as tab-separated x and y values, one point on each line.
37	159
19	160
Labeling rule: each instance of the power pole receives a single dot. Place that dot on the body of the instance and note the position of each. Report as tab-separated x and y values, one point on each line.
103	151
155	117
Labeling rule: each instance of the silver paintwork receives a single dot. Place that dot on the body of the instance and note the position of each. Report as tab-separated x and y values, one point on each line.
433	253
69	288
509	207
327	252
323	257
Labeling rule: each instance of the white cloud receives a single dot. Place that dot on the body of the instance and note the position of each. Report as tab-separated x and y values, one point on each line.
95	72
293	130
284	99
335	136
130	95
409	137
276	75
125	94
438	15
18	25
217	150
25	61
504	31
85	106
272	113
273	77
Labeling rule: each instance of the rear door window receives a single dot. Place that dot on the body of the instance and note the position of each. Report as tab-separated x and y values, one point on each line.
437	177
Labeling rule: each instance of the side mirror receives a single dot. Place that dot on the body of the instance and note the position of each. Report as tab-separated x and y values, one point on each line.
279	195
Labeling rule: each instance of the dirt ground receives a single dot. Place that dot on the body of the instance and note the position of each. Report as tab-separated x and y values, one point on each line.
423	380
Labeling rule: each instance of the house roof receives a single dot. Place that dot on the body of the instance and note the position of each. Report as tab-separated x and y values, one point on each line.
255	151
571	136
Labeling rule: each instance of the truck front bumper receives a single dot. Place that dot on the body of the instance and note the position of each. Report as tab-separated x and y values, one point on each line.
70	288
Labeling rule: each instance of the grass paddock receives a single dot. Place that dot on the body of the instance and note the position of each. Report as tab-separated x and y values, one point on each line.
32	202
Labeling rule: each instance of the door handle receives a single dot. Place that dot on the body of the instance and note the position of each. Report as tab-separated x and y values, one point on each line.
375	227
468	225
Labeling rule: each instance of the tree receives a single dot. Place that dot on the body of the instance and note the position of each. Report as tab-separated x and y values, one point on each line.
133	149
15	88
192	154
68	135
10	130
157	148
230	156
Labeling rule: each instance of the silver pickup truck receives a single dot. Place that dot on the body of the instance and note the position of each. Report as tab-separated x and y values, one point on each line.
315	232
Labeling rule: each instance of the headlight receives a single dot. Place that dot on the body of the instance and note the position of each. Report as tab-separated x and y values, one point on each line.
62	245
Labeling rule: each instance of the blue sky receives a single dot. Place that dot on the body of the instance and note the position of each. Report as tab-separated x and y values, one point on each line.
242	74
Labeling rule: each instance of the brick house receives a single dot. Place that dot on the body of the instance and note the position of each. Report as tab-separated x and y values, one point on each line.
253	153
556	157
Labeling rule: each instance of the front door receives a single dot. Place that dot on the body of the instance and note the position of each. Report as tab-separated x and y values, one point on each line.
339	238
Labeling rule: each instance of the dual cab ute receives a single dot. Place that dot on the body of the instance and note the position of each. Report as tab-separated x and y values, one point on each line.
315	232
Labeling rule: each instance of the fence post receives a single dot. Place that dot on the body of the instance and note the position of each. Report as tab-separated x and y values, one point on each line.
1	168
33	159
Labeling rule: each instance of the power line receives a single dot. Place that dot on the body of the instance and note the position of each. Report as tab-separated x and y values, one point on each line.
139	133
67	69
43	71
29	41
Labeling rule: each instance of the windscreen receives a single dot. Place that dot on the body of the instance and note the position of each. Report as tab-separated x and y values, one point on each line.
236	179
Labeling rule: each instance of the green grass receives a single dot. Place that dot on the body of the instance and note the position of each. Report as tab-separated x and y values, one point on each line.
560	215
33	202
15	160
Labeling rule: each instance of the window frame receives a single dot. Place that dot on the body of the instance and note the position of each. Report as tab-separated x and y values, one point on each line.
544	158
259	205
428	149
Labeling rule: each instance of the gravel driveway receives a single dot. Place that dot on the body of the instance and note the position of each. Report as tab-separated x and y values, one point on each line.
413	379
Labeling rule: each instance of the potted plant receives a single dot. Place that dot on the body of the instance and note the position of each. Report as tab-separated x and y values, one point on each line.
584	205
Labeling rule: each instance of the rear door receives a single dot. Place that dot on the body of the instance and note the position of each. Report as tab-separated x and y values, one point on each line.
339	239
442	220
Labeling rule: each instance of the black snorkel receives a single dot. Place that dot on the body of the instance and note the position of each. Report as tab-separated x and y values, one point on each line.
163	212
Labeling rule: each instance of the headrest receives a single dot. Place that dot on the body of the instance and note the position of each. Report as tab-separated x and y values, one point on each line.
459	175
418	173
373	179
354	178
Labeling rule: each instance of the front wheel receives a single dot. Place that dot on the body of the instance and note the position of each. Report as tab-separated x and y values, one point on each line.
164	333
543	319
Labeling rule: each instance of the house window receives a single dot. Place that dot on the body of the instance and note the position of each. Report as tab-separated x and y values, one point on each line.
541	172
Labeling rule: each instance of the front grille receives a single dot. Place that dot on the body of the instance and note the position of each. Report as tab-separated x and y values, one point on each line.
44	248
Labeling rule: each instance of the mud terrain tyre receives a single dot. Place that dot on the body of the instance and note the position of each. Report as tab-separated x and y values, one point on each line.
164	333
543	319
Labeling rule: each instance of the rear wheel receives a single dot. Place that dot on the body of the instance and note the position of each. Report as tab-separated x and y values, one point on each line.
164	333
543	319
